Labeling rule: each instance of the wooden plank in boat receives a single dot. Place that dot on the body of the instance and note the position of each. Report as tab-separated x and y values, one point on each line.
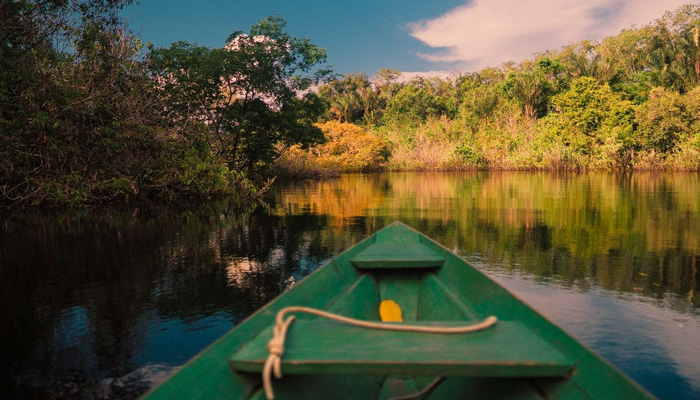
394	255
508	349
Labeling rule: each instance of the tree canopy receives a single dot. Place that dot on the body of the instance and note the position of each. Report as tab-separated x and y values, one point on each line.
246	94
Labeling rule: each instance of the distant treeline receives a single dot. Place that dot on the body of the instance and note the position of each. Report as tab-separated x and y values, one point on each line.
628	102
89	114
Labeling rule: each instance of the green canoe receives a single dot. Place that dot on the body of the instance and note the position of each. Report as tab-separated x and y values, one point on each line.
400	271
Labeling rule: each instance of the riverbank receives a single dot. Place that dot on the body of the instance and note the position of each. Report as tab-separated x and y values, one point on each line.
439	145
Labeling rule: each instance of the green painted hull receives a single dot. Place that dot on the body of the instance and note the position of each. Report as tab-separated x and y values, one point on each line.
522	356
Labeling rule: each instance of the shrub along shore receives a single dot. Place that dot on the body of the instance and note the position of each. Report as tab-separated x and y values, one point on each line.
90	115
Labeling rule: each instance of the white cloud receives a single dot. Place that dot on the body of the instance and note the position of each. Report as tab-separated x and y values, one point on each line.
407	76
488	32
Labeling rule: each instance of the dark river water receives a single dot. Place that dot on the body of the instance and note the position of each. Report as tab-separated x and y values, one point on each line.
106	303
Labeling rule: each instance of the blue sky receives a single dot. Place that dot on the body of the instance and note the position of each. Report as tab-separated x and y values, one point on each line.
428	36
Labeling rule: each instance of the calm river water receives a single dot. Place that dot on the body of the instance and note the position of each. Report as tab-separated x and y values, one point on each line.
104	304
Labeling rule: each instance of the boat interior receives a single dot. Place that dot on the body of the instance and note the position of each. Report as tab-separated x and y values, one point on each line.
400	277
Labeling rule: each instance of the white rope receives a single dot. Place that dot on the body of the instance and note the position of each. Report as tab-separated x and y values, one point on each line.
273	363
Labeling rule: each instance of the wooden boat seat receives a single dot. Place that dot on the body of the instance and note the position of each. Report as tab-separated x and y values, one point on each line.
394	255
508	349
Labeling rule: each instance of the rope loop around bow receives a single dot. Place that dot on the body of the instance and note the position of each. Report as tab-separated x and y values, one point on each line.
275	347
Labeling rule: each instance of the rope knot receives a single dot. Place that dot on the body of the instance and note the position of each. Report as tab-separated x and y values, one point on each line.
276	347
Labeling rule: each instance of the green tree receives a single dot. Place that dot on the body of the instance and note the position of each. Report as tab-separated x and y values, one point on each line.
663	121
594	124
479	105
623	63
350	97
246	94
580	59
529	88
674	49
479	95
386	83
370	103
419	100
77	117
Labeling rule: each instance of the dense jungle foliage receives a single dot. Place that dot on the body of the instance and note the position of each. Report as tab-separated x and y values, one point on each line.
631	101
89	114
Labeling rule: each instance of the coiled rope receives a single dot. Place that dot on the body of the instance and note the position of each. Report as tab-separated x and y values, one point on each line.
273	363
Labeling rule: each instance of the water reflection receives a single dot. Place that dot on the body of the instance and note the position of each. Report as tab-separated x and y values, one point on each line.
653	343
105	303
624	232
